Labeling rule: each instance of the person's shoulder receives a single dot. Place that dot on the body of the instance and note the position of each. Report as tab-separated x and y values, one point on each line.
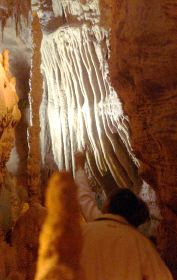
144	243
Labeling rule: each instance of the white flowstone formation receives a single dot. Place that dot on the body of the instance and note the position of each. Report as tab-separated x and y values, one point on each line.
79	103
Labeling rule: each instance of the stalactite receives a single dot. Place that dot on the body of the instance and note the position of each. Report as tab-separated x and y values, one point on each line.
18	10
34	158
60	239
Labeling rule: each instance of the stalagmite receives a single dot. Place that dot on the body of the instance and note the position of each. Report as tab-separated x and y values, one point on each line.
28	226
34	167
60	239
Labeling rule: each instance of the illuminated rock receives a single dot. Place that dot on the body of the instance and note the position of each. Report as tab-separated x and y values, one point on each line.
144	72
79	106
60	239
9	112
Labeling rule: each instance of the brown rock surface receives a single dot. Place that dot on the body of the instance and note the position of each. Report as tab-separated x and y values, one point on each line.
25	239
144	72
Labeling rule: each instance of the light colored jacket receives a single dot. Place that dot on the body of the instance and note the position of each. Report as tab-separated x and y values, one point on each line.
114	250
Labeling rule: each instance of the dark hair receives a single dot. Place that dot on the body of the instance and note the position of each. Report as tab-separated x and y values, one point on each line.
125	203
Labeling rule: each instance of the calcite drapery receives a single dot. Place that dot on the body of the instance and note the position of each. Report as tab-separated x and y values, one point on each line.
78	94
9	112
144	71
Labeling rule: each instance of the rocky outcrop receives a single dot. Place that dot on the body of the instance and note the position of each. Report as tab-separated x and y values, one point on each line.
144	72
9	112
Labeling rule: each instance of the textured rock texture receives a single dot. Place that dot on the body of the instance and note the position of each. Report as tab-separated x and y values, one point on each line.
8	264
9	112
144	72
60	238
19	63
34	155
25	239
78	94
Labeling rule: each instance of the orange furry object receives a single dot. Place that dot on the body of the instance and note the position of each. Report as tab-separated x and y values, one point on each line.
60	239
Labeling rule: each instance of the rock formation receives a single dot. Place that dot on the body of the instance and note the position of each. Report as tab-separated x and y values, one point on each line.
78	94
9	112
144	72
60	239
8	264
80	107
34	154
25	239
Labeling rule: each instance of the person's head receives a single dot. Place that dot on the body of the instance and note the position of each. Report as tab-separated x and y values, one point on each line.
125	203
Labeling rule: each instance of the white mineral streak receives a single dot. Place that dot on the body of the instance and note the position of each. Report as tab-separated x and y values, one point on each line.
79	103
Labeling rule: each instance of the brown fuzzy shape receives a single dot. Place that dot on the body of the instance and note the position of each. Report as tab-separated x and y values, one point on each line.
25	239
60	239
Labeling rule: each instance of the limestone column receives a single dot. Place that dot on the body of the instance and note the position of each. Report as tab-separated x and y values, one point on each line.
34	157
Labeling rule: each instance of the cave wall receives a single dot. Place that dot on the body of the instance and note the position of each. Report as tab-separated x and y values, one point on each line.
144	72
14	167
9	112
19	64
10	203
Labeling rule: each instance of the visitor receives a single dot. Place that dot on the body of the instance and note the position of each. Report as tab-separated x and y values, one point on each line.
88	206
87	201
112	246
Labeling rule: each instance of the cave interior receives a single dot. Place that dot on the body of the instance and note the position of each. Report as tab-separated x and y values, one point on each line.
94	75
